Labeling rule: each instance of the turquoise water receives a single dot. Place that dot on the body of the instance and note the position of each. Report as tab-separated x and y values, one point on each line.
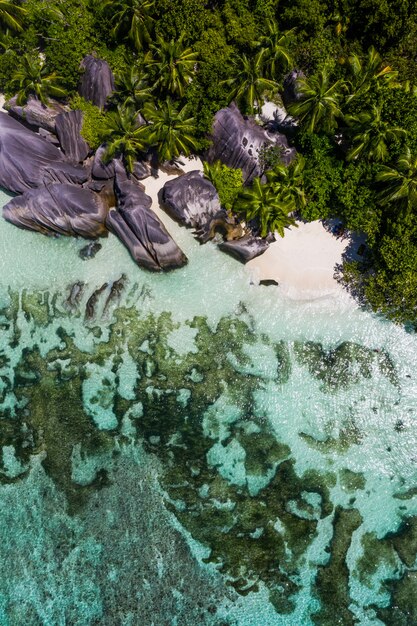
202	450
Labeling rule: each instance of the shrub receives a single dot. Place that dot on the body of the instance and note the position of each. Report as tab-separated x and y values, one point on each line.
228	182
94	122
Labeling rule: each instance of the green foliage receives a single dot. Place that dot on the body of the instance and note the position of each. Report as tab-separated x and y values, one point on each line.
172	130
355	200
94	129
182	16
69	39
33	79
228	182
322	176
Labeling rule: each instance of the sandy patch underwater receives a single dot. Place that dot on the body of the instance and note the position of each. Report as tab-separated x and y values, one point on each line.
203	451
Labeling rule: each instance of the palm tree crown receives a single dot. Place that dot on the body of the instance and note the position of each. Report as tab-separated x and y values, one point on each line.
269	208
372	134
276	45
11	15
174	65
132	18
171	130
319	104
249	82
288	182
132	87
126	136
33	79
399	183
368	71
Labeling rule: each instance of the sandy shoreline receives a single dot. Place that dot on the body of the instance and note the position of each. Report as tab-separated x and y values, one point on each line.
302	263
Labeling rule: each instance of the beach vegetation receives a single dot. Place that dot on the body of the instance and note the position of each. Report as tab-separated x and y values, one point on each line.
34	79
228	182
248	81
11	15
271	211
125	135
177	62
171	130
94	128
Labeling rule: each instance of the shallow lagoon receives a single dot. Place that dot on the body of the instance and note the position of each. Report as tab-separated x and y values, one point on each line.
202	451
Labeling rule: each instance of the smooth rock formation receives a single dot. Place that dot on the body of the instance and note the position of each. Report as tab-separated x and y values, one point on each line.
244	249
68	129
101	169
27	160
191	199
59	209
35	113
139	228
237	142
97	81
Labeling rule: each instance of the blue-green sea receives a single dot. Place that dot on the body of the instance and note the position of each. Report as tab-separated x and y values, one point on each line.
198	449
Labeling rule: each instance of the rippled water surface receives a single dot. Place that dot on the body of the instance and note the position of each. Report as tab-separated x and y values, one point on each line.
193	449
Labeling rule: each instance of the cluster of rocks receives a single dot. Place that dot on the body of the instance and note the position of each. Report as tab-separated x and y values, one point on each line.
66	190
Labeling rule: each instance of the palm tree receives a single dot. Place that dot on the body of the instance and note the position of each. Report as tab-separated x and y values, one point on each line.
399	183
131	18
11	15
171	130
288	181
319	103
132	87
126	136
372	134
248	82
277	53
33	79
368	71
263	204
174	65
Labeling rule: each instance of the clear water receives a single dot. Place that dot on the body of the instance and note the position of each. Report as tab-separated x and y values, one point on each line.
201	451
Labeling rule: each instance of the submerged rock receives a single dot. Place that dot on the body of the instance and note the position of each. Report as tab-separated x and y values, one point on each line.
246	248
35	113
68	130
97	80
191	199
90	250
139	228
27	160
238	142
59	209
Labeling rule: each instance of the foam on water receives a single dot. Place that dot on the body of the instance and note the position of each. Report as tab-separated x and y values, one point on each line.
205	452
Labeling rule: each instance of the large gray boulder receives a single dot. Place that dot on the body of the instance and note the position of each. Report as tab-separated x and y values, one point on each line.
139	228
97	81
35	113
238	142
100	169
27	160
246	248
191	199
59	209
68	129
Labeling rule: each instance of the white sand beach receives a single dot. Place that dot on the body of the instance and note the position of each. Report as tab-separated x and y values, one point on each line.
303	262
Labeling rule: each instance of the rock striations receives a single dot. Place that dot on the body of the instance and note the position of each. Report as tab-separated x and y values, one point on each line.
140	229
67	191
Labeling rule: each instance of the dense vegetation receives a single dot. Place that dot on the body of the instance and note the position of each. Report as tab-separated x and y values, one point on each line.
178	61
